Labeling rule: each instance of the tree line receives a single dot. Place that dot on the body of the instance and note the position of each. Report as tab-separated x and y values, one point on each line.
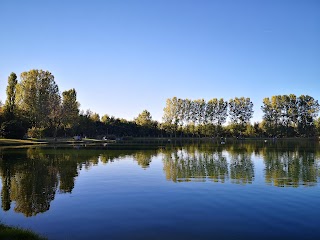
206	118
283	116
34	107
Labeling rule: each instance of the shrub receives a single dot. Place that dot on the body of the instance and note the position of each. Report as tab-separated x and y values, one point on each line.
12	129
36	132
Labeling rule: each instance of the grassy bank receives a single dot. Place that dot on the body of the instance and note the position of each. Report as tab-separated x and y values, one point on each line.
17	142
34	141
14	233
142	140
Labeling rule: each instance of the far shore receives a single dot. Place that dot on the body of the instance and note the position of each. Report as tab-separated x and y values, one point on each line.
71	141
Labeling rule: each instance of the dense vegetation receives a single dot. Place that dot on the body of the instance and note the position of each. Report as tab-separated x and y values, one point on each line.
35	108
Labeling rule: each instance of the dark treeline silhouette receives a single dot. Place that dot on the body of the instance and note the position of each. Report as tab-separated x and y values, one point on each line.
31	177
35	108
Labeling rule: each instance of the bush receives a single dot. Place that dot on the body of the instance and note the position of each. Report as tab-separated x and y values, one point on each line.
36	132
12	129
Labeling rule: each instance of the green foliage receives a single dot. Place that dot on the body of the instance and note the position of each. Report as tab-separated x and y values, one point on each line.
35	132
11	95
38	96
240	110
95	117
287	115
144	119
195	117
12	129
70	107
105	119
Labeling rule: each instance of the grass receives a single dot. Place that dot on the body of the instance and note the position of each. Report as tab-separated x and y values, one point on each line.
15	233
33	141
12	142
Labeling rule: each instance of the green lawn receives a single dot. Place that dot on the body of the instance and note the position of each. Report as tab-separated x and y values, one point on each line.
33	141
12	142
14	233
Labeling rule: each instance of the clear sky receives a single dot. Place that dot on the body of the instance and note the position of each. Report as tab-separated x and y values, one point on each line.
126	56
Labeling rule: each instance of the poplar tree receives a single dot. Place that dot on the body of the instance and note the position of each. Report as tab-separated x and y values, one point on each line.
308	109
240	112
11	95
70	108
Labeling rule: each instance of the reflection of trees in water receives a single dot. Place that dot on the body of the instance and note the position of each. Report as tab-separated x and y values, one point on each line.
144	158
31	184
241	168
6	173
286	163
32	177
291	168
33	187
183	165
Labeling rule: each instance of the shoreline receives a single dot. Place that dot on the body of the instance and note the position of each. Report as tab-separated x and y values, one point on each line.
17	233
68	141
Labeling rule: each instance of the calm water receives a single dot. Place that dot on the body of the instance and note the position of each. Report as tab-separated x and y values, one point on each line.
185	191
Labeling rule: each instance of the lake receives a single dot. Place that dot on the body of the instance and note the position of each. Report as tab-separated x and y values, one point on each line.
239	190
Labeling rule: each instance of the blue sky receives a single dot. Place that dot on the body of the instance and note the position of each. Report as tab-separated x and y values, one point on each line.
126	56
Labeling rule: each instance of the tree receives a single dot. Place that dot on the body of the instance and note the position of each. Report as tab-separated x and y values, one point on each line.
105	119
12	125
288	113
171	114
308	109
11	96
144	119
95	117
217	112
276	106
240	110
37	94
55	113
12	129
269	121
69	109
317	125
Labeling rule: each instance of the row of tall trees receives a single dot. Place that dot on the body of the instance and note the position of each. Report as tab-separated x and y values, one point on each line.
289	115
200	117
35	107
